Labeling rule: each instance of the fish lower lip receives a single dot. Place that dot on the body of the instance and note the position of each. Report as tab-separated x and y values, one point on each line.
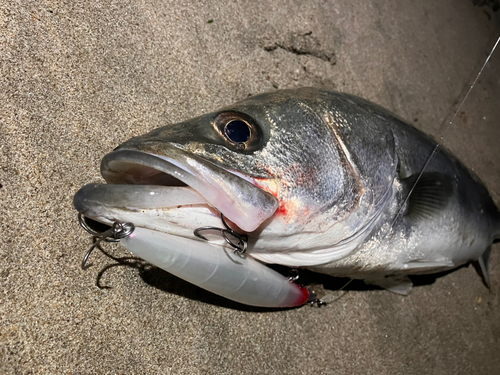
93	197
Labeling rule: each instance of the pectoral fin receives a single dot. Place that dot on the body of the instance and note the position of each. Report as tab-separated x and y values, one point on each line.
429	195
396	284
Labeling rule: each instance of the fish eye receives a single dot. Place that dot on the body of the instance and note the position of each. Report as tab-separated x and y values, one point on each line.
237	131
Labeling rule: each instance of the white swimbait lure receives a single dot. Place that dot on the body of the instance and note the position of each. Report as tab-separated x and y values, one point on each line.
215	268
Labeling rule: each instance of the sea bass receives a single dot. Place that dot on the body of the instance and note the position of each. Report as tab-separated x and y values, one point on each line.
316	179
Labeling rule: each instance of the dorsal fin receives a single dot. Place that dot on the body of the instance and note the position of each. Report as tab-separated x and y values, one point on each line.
430	195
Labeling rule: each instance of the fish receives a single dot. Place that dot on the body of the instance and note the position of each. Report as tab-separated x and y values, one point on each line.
315	179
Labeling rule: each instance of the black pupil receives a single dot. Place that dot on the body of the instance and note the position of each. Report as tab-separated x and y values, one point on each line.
238	131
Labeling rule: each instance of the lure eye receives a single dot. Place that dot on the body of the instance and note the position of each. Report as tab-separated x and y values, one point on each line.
239	131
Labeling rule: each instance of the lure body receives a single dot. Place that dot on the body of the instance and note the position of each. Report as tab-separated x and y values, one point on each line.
216	268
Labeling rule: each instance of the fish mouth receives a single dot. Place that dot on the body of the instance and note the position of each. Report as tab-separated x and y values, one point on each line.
173	191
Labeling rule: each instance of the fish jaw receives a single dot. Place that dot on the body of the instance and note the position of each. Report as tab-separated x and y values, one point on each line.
141	181
174	210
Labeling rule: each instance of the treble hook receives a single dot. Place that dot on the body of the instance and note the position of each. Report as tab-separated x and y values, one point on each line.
114	234
239	247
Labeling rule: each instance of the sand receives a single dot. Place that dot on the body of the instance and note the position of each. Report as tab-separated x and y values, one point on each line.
77	78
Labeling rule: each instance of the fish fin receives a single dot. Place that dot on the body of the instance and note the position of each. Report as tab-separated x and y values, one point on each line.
429	196
481	266
396	284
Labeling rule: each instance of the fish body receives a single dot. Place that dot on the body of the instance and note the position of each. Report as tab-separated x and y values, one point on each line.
316	179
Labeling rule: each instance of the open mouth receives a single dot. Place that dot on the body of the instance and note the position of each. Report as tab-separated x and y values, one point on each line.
151	184
167	197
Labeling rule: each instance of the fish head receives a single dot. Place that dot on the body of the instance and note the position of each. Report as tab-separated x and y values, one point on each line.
272	159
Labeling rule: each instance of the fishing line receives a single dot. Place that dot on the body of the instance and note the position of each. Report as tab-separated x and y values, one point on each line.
438	144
